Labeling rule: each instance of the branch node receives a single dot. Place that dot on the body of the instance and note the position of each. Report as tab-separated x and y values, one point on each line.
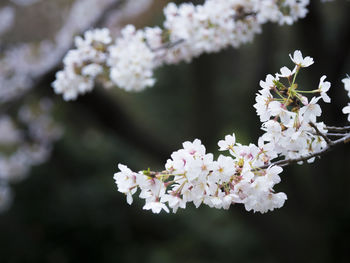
329	142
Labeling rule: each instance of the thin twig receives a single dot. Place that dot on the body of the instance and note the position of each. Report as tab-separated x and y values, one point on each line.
329	142
337	134
168	45
338	129
282	163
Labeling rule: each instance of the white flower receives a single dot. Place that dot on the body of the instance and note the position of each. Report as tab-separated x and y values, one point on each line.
195	148
71	85
261	198
174	202
223	170
92	70
228	143
156	207
262	105
300	61
269	82
286	72
311	110
265	201
126	182
273	130
96	38
275	108
346	110
323	87
272	173
346	82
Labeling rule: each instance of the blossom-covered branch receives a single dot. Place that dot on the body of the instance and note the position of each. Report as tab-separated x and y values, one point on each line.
24	64
188	31
249	174
25	141
27	129
345	138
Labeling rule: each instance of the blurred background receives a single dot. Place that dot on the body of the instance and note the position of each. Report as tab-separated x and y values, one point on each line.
68	208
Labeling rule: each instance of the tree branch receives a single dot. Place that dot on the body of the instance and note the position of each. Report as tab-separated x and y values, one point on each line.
338	129
329	142
286	162
336	134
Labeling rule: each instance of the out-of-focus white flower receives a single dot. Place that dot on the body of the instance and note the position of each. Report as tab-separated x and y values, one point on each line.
7	17
131	61
26	141
83	65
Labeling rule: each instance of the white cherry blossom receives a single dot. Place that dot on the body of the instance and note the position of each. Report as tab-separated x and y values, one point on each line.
346	110
298	59
323	88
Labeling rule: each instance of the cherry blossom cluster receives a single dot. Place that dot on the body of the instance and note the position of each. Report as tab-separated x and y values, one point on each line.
192	175
288	117
25	140
188	31
249	173
83	64
23	63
